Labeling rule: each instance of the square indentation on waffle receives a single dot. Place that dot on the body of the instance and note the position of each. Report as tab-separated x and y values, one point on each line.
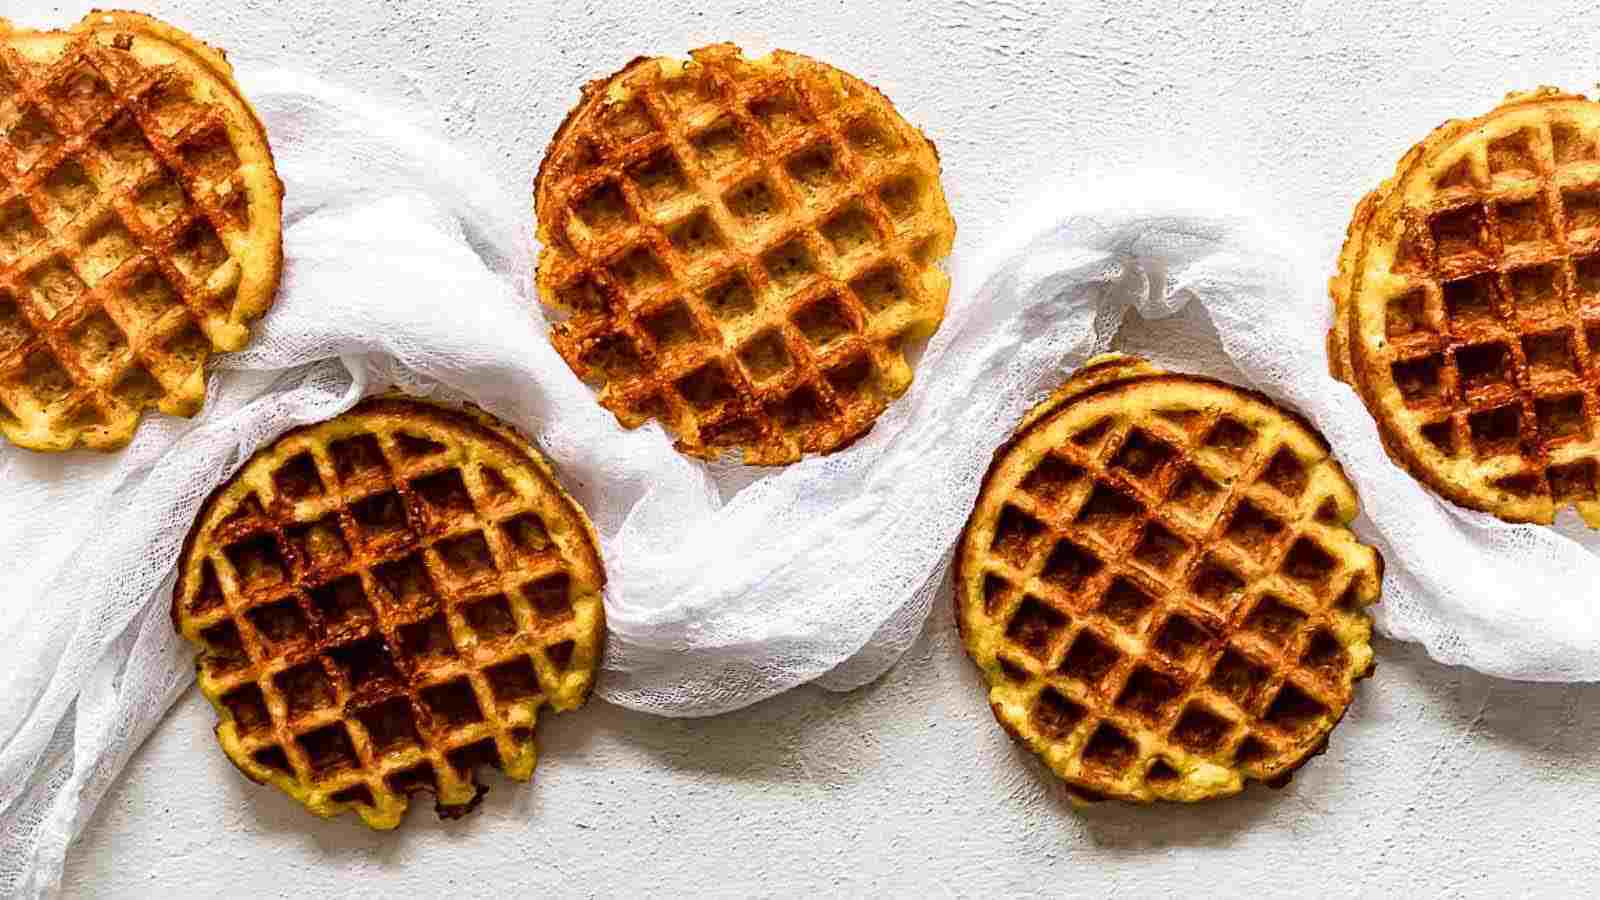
1150	694
799	410
765	355
382	518
54	286
444	496
1293	710
1201	729
823	321
1182	639
1127	604
1070	566
1460	232
1516	155
342	602
1160	549
814	171
391	724
790	266
550	598
1523	221
490	618
1110	749
1408	313
1420	380
1111	513
514	680
69	189
366	664
1536	291
671	326
1311	565
1286	474
99	344
1550	354
306	688
1561	417
719	145
754	202
280	622
452	704
1090	659
14	328
467	558
638	271
1275	619
1240	678
1574	481
1570	143
329	750
257	563
1196	493
1496	431
427	639
1581	206
248	706
1036	627
405	584
659	177
1230	437
1253	529
1016	536
1483	365
1142	455
1054	714
1052	478
851	229
696	238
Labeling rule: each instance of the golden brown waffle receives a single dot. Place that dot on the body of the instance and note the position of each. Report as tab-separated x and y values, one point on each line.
745	248
384	602
1468	308
139	226
1161	589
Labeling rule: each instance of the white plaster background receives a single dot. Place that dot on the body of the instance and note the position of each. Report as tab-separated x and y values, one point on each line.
1439	781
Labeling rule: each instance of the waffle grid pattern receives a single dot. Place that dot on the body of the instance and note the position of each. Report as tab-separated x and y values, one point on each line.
1173	599
1491	319
385	612
119	196
745	250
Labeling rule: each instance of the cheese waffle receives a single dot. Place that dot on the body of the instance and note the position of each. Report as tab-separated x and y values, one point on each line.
139	226
384	602
1468	308
745	248
1160	589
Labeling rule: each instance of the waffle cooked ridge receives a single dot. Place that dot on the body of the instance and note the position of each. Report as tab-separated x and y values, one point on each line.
744	247
1160	588
1468	309
139	226
383	602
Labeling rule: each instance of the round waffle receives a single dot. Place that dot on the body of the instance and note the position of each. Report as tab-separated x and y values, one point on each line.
139	226
384	602
744	247
1468	308
1160	587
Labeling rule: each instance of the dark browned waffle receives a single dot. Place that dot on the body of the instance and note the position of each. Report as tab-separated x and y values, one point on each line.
384	602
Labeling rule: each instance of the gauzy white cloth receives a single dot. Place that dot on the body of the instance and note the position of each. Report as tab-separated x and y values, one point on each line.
406	266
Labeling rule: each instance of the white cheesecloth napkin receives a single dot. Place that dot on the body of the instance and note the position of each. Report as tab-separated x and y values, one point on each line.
406	265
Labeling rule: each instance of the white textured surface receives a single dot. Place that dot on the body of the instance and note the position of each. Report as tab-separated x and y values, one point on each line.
1444	780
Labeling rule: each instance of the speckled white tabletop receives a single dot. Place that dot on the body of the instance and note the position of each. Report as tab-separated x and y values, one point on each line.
1438	782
